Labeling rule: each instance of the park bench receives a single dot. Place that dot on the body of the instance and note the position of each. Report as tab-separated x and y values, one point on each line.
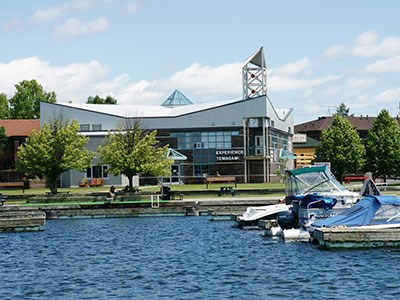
354	177
220	179
84	183
13	185
96	182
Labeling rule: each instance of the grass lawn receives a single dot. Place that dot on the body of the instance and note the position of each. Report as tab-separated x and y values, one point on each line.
180	187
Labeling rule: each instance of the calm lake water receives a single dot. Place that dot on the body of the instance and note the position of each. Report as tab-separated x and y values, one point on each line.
184	258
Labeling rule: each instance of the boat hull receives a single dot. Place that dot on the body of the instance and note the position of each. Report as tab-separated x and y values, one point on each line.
251	218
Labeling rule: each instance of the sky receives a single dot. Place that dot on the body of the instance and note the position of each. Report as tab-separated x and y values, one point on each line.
319	54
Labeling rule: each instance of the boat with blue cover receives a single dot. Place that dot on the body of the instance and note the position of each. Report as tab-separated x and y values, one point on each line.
372	222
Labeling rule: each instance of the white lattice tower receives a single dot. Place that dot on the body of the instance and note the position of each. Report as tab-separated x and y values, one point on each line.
254	76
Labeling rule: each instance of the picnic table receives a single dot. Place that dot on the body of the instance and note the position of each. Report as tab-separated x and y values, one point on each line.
226	190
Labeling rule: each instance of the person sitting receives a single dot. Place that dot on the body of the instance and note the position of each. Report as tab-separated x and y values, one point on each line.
111	193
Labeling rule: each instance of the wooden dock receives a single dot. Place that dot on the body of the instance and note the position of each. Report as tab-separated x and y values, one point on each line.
16	218
373	236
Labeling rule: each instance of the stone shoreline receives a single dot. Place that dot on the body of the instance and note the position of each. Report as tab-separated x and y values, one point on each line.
210	206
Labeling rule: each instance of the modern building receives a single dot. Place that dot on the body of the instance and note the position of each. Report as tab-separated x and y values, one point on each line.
246	138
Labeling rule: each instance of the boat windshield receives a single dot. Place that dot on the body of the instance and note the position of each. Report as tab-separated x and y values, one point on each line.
311	180
387	214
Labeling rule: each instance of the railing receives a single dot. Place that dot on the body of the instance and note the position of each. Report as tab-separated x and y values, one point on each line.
155	203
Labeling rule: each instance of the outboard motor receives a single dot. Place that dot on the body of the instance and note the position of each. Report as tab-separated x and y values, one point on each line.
287	219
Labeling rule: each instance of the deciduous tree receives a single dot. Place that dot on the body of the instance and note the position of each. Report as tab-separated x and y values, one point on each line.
56	148
133	150
3	139
4	109
25	104
383	146
98	100
342	147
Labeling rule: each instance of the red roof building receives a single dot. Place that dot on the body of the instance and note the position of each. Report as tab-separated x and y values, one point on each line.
17	131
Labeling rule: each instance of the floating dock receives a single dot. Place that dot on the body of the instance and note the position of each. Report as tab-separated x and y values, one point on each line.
372	236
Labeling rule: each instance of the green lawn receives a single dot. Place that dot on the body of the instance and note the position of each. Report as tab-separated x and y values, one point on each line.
180	187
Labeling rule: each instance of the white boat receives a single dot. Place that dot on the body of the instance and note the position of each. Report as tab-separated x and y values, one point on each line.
253	215
314	194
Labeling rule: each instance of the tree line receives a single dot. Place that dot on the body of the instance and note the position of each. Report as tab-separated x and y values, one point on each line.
379	153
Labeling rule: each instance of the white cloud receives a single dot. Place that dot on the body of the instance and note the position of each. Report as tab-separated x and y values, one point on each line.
297	76
291	86
132	7
47	14
367	44
293	67
335	51
75	27
282	83
370	44
389	96
12	24
73	82
360	83
386	65
198	82
44	15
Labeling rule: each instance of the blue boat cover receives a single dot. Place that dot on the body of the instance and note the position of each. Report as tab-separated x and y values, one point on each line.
316	201
360	213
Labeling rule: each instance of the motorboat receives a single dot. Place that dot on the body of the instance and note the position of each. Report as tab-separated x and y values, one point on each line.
372	222
253	215
313	194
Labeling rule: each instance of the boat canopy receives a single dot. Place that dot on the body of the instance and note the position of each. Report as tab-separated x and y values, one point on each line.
305	170
369	210
313	179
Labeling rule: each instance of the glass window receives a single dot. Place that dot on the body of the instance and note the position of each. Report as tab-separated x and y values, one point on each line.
96	127
84	127
97	172
105	171
203	170
220	139
89	172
